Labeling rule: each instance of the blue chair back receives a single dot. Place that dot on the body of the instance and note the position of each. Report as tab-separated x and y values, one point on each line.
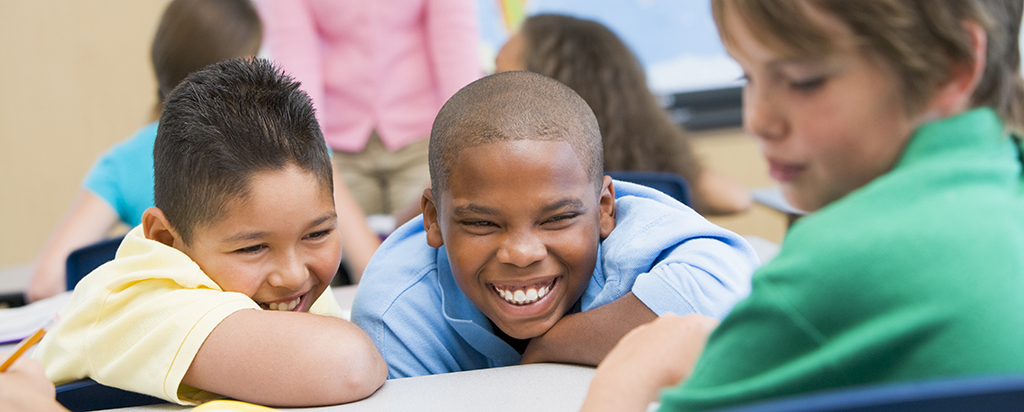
668	183
89	395
989	394
84	260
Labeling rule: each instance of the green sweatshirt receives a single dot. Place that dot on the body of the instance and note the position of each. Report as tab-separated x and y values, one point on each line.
917	275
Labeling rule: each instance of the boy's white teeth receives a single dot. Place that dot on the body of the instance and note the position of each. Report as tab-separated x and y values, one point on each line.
522	297
285	305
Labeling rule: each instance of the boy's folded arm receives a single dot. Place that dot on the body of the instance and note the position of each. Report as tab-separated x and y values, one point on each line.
586	337
718	276
287	359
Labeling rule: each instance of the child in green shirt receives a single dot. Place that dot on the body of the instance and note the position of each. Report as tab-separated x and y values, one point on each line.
891	121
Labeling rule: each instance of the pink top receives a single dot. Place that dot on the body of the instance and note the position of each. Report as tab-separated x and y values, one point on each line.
374	64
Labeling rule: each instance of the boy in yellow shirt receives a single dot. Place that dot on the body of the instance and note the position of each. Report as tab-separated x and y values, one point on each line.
207	297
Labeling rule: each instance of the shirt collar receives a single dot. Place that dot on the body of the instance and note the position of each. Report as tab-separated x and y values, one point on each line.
468	321
979	126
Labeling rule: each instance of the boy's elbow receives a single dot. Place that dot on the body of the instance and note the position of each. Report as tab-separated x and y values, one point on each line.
358	369
367	373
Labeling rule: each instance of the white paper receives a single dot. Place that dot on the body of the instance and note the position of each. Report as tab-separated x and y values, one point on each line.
21	322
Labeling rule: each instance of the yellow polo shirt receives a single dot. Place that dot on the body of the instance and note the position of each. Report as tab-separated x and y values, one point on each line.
136	322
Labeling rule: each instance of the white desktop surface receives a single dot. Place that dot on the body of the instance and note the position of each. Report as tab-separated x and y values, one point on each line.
535	388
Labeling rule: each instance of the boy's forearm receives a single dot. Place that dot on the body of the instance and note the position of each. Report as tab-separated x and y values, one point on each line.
585	338
287	359
88	220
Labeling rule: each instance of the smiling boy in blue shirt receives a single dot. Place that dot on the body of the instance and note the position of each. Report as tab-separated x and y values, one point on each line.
526	252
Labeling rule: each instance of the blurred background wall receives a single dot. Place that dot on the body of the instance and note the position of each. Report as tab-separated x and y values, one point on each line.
75	78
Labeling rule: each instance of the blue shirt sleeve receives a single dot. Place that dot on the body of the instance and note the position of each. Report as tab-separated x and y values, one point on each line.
671	258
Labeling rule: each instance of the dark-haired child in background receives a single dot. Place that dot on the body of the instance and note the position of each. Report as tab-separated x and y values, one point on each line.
119	186
638	133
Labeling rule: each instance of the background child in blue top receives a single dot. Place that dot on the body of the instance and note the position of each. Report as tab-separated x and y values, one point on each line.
521	228
119	187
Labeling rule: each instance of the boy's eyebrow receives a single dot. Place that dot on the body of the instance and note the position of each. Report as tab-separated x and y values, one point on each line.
473	208
247	236
569	202
795	60
244	237
320	220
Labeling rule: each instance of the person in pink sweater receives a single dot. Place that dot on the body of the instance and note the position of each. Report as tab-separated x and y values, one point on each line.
378	72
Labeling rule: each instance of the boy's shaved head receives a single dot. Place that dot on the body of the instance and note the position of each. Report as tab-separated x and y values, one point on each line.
513	106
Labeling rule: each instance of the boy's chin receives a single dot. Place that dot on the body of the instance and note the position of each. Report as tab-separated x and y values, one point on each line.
524	331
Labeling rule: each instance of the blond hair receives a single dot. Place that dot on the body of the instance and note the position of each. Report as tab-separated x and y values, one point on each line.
921	39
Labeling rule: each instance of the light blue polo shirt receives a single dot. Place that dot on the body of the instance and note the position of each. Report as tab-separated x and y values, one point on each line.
670	257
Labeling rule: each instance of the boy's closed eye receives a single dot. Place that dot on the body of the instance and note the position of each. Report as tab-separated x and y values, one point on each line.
251	250
808	84
319	234
478	227
477	223
561	221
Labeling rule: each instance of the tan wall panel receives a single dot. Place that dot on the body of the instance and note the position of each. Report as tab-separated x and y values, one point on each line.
75	78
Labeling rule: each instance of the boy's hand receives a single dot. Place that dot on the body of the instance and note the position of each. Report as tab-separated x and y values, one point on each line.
655	355
24	387
585	338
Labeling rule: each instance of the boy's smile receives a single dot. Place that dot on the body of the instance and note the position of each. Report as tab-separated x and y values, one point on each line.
276	244
521	222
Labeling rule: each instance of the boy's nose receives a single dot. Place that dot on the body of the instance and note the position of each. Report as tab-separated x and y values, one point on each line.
521	250
761	114
290	273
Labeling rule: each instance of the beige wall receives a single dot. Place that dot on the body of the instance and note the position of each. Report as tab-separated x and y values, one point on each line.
74	79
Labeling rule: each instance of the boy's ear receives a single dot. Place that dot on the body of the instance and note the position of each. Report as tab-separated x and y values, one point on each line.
607	205
156	227
430	219
954	94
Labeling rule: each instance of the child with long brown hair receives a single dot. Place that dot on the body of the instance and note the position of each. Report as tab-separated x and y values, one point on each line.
638	133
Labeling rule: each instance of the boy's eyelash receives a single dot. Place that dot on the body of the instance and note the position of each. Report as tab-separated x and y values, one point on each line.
566	216
808	84
250	249
320	234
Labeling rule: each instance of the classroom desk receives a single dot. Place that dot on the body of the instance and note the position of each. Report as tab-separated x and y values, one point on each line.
536	388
